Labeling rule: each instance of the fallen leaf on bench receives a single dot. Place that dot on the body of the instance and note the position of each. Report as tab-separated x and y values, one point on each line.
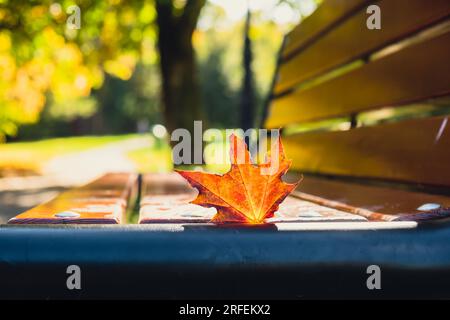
248	193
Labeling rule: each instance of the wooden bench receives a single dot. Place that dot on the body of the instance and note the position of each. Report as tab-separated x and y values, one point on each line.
104	201
362	179
334	73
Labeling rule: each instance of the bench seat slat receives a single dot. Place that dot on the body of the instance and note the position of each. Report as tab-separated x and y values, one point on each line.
352	39
416	73
103	201
379	202
173	206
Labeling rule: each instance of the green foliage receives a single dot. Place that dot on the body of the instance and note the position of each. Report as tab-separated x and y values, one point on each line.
39	54
104	77
220	101
219	50
141	100
83	107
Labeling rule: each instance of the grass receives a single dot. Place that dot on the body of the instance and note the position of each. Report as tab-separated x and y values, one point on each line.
155	159
29	157
158	158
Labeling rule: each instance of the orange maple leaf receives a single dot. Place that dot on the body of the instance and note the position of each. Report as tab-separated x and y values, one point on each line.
248	193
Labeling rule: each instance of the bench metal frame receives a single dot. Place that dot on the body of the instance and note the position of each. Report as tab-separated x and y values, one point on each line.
199	261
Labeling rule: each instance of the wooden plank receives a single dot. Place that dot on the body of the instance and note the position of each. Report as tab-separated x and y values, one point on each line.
352	39
346	226
166	197
166	200
102	202
327	15
413	151
297	210
168	210
374	202
418	72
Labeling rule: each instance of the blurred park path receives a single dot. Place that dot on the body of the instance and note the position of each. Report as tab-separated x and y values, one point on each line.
82	167
18	194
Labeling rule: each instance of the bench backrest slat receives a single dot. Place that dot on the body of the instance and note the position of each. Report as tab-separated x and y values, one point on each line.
418	72
352	40
404	151
332	68
325	18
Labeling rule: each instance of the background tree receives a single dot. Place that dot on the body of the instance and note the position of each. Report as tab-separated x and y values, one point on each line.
247	109
180	84
42	62
130	60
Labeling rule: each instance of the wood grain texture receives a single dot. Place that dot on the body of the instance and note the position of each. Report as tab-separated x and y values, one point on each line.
373	202
412	151
327	15
418	72
103	201
165	198
173	206
352	39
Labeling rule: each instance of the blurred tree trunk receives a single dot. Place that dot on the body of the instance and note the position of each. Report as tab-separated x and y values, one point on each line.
180	86
248	94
